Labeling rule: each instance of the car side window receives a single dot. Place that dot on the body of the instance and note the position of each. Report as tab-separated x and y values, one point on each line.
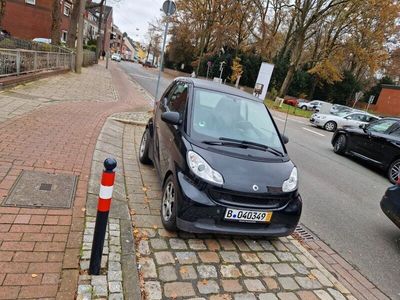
395	132
381	126
177	99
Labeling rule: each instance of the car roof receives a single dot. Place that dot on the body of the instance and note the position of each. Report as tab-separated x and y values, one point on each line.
214	86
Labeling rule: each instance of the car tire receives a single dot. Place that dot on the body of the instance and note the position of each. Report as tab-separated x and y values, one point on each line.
339	146
144	148
330	126
169	202
304	107
392	170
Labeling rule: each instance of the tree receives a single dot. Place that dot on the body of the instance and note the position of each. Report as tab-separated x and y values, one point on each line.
73	25
237	69
56	23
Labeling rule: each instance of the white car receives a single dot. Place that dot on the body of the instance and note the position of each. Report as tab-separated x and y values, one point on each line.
332	122
312	105
116	57
337	108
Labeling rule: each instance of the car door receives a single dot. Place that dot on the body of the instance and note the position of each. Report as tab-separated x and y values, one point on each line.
354	119
376	140
392	145
160	108
177	101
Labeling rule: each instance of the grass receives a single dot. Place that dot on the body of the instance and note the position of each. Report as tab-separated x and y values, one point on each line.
295	111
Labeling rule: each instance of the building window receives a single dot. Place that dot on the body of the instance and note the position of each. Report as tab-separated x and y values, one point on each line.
64	36
32	2
67	9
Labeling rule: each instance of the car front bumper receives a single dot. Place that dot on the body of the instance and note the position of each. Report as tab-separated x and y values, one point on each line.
317	122
199	213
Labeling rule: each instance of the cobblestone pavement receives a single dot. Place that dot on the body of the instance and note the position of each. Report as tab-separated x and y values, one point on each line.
188	266
40	248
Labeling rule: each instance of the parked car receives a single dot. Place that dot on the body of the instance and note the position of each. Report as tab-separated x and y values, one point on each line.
312	105
42	40
332	122
116	57
337	108
148	64
291	101
390	204
378	143
222	162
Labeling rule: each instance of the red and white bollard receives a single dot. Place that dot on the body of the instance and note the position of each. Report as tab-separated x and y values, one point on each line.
103	208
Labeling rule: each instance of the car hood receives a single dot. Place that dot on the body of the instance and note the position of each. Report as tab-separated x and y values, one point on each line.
241	174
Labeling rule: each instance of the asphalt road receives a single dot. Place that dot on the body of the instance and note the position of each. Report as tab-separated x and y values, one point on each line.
341	196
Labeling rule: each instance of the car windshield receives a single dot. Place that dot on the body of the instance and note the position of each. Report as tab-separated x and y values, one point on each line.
342	113
218	115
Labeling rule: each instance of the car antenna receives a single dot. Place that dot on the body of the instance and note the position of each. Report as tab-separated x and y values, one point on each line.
287	114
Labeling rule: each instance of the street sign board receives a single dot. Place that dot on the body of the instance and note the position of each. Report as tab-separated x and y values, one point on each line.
371	99
169	7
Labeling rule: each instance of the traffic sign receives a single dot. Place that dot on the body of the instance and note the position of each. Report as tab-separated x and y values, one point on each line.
371	99
169	7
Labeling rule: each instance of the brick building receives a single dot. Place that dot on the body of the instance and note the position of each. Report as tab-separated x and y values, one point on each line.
29	19
388	102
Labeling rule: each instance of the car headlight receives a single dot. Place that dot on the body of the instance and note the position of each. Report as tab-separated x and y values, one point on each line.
202	169
291	184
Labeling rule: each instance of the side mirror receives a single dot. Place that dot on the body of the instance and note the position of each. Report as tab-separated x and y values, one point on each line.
363	127
285	139
171	117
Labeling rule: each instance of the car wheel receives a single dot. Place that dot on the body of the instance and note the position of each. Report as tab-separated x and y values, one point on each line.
169	204
339	146
330	126
394	171
304	107
144	148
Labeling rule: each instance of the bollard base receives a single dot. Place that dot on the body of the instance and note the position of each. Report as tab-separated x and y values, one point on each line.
98	242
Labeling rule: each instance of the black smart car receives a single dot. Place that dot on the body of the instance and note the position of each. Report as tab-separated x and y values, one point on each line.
222	162
377	143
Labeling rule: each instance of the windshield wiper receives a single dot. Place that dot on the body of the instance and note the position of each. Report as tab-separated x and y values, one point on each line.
243	144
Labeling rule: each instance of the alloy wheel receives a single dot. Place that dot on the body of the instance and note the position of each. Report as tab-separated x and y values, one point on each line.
330	126
395	172
143	143
168	201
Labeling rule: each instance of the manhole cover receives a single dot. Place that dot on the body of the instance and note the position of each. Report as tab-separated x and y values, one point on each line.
37	189
304	234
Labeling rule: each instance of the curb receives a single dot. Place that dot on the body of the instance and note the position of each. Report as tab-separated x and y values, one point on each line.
131	122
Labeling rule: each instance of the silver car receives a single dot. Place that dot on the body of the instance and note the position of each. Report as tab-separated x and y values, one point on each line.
332	122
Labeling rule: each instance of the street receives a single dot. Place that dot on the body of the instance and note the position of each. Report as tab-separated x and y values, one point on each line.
341	196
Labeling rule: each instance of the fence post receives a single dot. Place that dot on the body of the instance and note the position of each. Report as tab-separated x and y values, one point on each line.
48	60
18	62
58	59
35	61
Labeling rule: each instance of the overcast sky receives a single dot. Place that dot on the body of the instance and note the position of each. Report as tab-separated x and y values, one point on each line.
131	14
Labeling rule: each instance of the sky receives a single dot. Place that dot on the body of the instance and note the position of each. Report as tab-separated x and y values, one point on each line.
129	15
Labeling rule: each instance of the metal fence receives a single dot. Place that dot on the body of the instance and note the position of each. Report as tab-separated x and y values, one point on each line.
89	58
18	61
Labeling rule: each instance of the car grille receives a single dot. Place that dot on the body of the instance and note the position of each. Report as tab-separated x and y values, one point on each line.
246	200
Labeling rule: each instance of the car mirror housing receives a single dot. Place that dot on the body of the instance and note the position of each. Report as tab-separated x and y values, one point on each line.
171	117
363	127
285	139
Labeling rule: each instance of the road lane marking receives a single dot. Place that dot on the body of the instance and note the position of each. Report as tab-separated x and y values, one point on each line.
278	119
309	130
142	76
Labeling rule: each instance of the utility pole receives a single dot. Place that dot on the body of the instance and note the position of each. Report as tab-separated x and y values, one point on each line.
79	47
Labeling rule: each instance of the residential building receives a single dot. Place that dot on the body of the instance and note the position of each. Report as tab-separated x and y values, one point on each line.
92	18
116	41
128	49
91	26
29	19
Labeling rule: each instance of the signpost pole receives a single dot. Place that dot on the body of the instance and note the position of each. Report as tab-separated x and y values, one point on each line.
169	9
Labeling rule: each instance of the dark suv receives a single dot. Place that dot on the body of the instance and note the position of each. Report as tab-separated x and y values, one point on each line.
377	143
222	162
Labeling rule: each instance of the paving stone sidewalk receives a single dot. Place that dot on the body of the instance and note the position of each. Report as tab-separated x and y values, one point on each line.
52	126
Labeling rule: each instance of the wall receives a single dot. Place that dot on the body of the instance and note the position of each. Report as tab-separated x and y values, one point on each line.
389	101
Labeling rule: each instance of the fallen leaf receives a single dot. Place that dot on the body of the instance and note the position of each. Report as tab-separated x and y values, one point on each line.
144	189
312	277
184	270
204	281
174	295
155	226
34	275
83	209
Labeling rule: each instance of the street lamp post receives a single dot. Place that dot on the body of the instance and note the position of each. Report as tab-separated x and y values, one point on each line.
169	8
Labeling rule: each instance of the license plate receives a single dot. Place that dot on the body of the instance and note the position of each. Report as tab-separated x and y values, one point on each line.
250	216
